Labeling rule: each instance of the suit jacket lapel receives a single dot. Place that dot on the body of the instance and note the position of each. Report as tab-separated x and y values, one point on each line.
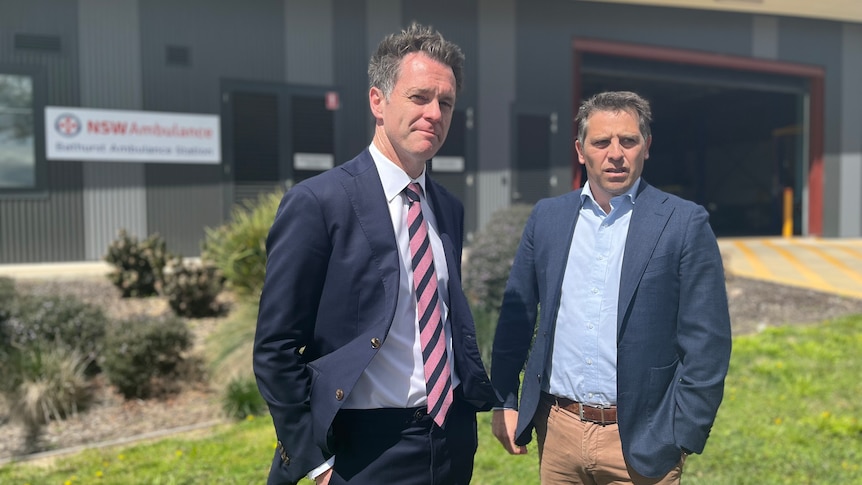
649	218
558	239
365	191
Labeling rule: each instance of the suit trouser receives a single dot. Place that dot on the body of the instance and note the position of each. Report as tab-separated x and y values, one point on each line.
572	451
404	446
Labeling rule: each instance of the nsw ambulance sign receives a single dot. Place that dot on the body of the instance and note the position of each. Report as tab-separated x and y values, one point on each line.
83	134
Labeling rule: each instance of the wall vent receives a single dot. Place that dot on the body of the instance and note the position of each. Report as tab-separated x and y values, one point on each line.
38	42
177	55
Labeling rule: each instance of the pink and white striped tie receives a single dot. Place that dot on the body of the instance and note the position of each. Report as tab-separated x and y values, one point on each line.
438	381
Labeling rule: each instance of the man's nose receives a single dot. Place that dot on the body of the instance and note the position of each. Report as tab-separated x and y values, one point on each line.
615	151
433	111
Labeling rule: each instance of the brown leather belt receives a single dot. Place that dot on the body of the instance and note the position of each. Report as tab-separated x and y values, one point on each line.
590	414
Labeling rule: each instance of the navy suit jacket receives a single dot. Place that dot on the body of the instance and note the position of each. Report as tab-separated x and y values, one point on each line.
673	326
329	298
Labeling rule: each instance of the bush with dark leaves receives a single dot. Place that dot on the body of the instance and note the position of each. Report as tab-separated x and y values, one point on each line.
486	270
62	321
192	290
144	355
138	265
491	255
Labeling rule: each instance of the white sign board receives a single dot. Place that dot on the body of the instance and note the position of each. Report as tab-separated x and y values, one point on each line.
313	161
83	134
447	164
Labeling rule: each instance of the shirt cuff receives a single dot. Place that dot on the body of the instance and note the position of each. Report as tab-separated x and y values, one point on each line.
322	468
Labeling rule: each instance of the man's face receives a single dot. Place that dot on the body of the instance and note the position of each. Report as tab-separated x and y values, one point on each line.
613	153
412	124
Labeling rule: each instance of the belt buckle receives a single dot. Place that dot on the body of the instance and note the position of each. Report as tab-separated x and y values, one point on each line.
601	421
581	413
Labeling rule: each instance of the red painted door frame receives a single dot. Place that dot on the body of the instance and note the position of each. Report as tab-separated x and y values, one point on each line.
814	74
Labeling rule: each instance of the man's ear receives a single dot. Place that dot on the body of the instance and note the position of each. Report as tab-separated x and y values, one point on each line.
376	102
580	150
648	143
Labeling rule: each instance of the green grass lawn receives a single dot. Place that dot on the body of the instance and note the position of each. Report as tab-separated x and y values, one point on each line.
791	415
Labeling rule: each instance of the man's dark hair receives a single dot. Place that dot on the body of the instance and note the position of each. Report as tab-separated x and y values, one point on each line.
385	64
615	101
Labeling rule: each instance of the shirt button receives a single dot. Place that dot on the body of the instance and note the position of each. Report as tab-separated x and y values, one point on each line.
595	290
589	361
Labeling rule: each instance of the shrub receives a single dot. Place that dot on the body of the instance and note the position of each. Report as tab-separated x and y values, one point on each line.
242	398
57	320
43	383
238	248
138	265
7	297
491	255
146	354
230	354
487	268
229	347
192	290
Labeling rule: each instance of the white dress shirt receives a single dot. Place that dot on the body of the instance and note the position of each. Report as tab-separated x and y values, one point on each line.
383	384
584	358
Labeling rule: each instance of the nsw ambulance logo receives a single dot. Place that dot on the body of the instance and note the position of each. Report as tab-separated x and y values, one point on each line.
67	125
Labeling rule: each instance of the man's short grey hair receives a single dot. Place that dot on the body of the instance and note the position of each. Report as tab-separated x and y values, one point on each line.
614	101
385	64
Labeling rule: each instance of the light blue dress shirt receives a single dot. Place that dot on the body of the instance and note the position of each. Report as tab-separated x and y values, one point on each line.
583	364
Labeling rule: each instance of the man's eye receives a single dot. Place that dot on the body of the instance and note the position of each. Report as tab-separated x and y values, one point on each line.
418	98
601	143
629	142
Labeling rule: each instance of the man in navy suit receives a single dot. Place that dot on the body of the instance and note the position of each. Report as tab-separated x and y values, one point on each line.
338	354
633	342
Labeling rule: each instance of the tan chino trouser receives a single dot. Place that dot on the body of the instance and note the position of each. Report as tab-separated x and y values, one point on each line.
572	451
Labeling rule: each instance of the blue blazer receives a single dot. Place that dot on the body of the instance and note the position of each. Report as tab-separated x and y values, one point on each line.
673	326
329	298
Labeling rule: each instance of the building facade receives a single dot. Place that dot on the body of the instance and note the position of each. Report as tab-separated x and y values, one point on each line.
757	113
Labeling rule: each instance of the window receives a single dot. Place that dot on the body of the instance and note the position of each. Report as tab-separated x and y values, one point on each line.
17	133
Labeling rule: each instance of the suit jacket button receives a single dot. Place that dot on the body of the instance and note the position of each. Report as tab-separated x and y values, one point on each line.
339	394
375	343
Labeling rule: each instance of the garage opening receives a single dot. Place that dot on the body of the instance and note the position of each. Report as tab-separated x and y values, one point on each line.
732	140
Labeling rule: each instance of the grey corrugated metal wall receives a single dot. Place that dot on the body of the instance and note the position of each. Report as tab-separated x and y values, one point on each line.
850	177
44	226
495	71
818	43
120	60
309	42
224	39
110	69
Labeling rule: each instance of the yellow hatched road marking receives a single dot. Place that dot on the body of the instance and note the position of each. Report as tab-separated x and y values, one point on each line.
852	252
814	280
759	269
840	265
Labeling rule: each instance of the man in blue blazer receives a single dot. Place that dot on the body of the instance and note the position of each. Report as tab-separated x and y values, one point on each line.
633	342
338	354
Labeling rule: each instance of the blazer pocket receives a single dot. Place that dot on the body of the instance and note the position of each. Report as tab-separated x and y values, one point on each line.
661	408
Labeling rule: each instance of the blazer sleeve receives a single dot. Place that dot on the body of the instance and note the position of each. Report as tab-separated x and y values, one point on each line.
703	334
298	251
517	319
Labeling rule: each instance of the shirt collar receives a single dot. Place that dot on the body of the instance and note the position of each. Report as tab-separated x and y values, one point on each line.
632	193
393	177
